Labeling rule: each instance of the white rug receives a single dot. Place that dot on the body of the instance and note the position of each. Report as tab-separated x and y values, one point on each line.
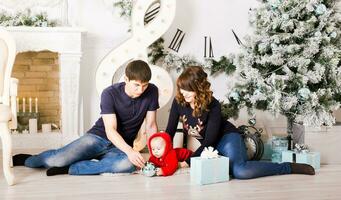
179	171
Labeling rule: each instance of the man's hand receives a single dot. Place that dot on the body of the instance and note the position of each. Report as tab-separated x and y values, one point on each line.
183	164
136	158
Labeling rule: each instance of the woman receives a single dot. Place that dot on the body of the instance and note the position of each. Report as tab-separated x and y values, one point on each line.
201	116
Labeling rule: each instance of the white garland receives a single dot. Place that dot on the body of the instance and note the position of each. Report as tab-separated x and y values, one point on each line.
26	19
24	4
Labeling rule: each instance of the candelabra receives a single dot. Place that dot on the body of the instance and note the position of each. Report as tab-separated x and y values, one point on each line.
23	120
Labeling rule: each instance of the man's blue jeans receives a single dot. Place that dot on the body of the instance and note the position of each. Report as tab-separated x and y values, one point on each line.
78	155
233	146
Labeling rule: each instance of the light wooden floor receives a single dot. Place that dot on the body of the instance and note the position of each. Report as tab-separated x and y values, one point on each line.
34	184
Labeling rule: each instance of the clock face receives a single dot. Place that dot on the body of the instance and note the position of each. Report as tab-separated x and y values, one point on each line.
203	28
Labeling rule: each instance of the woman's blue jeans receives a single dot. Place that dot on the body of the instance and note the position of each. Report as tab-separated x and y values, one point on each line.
79	154
232	145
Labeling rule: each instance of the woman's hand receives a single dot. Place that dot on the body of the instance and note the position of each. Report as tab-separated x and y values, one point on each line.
183	164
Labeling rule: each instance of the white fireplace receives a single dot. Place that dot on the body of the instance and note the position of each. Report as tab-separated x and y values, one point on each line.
66	41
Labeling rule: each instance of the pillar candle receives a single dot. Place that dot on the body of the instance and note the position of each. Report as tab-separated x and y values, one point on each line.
32	126
36	104
30	104
46	128
23	104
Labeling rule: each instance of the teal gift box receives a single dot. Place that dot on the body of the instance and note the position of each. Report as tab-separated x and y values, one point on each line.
310	158
209	170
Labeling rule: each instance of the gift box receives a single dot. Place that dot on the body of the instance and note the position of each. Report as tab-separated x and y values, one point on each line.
267	154
209	170
325	140
310	158
278	145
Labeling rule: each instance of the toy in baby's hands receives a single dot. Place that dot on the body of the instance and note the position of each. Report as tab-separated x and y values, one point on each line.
163	156
149	169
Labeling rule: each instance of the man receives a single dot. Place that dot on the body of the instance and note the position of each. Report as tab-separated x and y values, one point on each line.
124	106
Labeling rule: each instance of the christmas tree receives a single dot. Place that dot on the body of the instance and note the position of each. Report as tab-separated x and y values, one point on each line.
290	65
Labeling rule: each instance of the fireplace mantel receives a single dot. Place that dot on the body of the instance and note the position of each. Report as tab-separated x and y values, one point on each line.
66	41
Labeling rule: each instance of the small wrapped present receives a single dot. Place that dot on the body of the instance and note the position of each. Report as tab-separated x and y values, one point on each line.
279	144
209	168
267	150
301	154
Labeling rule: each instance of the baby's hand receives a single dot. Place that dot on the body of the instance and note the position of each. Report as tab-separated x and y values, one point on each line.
183	164
159	172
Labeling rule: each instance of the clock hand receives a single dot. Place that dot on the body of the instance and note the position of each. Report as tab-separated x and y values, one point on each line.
237	38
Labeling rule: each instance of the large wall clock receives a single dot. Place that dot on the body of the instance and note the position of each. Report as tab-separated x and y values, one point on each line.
209	29
203	29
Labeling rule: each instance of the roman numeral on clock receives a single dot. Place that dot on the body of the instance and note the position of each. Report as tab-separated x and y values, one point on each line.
177	40
208	48
151	13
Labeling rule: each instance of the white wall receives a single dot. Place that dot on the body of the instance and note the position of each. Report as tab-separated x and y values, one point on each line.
197	18
105	31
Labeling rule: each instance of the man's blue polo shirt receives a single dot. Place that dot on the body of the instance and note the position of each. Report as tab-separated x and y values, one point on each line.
130	112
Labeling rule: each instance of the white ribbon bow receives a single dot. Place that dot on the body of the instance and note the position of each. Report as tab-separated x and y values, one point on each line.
209	153
301	148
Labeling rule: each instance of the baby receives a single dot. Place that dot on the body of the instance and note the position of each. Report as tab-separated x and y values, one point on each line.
163	156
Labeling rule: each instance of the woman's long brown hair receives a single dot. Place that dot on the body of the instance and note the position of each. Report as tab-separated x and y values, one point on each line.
194	79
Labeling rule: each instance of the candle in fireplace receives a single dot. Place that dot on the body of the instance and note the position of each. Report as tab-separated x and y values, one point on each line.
23	104
36	104
18	104
30	104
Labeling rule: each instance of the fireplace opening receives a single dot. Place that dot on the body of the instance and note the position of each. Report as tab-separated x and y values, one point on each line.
38	90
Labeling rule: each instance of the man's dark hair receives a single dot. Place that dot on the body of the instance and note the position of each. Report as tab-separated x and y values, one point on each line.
138	70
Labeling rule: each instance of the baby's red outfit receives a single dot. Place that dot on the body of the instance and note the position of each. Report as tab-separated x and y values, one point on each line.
168	162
